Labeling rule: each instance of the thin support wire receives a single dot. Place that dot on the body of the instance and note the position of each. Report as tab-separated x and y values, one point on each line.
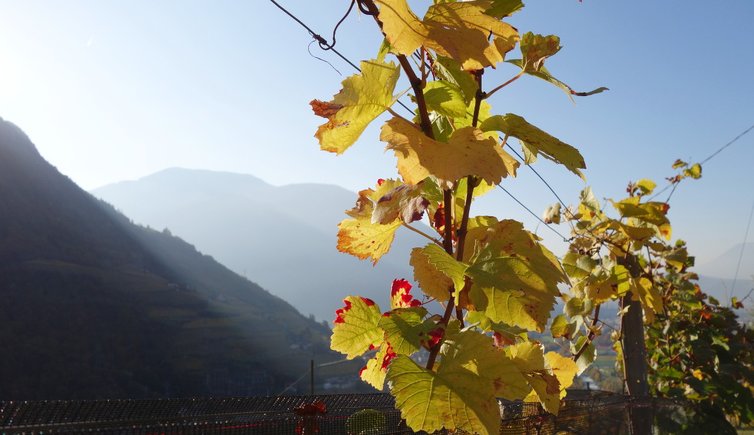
741	254
708	158
565	239
324	45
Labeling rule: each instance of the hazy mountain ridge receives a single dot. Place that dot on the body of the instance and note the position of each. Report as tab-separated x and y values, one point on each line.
284	237
724	266
95	307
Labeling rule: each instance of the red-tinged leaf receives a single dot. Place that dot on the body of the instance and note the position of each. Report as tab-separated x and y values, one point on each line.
356	327
403	202
363	98
400	295
325	109
362	238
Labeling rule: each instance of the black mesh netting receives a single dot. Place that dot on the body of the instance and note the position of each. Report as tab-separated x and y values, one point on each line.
582	412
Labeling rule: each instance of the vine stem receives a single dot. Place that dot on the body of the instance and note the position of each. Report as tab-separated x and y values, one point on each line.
417	85
421	233
447	199
470	182
445	319
516	77
413	79
591	335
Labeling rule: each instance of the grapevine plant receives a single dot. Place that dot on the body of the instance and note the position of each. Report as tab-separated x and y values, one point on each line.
674	341
492	280
625	259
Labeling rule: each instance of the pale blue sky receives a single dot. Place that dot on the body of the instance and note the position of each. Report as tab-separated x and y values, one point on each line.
114	90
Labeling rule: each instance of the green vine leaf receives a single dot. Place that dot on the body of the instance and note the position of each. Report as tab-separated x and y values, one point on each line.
406	329
587	357
363	98
484	112
694	171
561	327
461	394
445	98
504	8
578	266
514	277
537	141
356	327
544	74
508	289
576	306
451	71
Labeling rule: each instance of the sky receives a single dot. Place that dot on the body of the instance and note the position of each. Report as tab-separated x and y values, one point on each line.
116	90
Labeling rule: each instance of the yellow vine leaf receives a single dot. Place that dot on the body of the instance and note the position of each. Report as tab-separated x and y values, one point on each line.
461	394
649	296
468	152
433	283
446	264
563	368
360	237
546	388
646	186
459	30
403	29
363	98
653	213
638	234
606	284
536	48
536	141
463	31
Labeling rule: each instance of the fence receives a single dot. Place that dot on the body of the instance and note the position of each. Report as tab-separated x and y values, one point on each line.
583	412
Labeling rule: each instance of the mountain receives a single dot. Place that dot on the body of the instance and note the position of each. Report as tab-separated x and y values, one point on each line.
724	266
97	307
283	238
716	276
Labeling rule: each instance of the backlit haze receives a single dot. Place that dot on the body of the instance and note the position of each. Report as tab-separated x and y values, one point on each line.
116	90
